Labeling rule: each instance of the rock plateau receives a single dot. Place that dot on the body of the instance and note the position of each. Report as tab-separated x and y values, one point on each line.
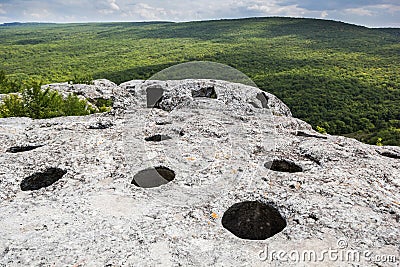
83	191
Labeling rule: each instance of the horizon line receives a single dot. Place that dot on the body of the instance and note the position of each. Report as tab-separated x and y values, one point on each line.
189	21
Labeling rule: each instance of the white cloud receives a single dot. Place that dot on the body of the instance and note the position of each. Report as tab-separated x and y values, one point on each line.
37	15
109	7
374	10
273	8
359	11
114	5
2	11
105	11
387	7
143	11
324	14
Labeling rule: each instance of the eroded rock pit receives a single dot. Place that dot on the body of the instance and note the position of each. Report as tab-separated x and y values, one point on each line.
153	177
253	220
42	179
157	138
283	165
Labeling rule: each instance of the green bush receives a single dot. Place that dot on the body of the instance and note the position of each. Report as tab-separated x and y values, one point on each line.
83	79
379	142
12	106
104	105
41	104
321	130
8	85
73	106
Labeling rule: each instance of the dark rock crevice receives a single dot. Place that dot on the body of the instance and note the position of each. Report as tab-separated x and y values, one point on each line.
263	99
208	92
310	134
390	154
283	165
157	138
19	149
100	125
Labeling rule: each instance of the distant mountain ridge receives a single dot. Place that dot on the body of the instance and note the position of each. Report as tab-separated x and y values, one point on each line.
10	24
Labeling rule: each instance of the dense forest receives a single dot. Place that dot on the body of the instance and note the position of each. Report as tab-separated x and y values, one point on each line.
338	77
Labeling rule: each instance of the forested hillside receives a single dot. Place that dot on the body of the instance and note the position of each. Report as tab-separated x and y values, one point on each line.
340	77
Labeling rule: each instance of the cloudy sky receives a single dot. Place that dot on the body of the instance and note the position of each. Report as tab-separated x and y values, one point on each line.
372	13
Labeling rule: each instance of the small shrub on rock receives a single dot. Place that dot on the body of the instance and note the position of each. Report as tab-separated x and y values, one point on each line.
42	104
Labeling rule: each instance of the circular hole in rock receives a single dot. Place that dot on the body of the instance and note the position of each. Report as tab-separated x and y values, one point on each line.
283	165
253	220
153	177
157	138
42	179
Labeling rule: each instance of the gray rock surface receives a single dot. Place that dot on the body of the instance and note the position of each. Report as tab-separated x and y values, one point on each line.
99	89
346	198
